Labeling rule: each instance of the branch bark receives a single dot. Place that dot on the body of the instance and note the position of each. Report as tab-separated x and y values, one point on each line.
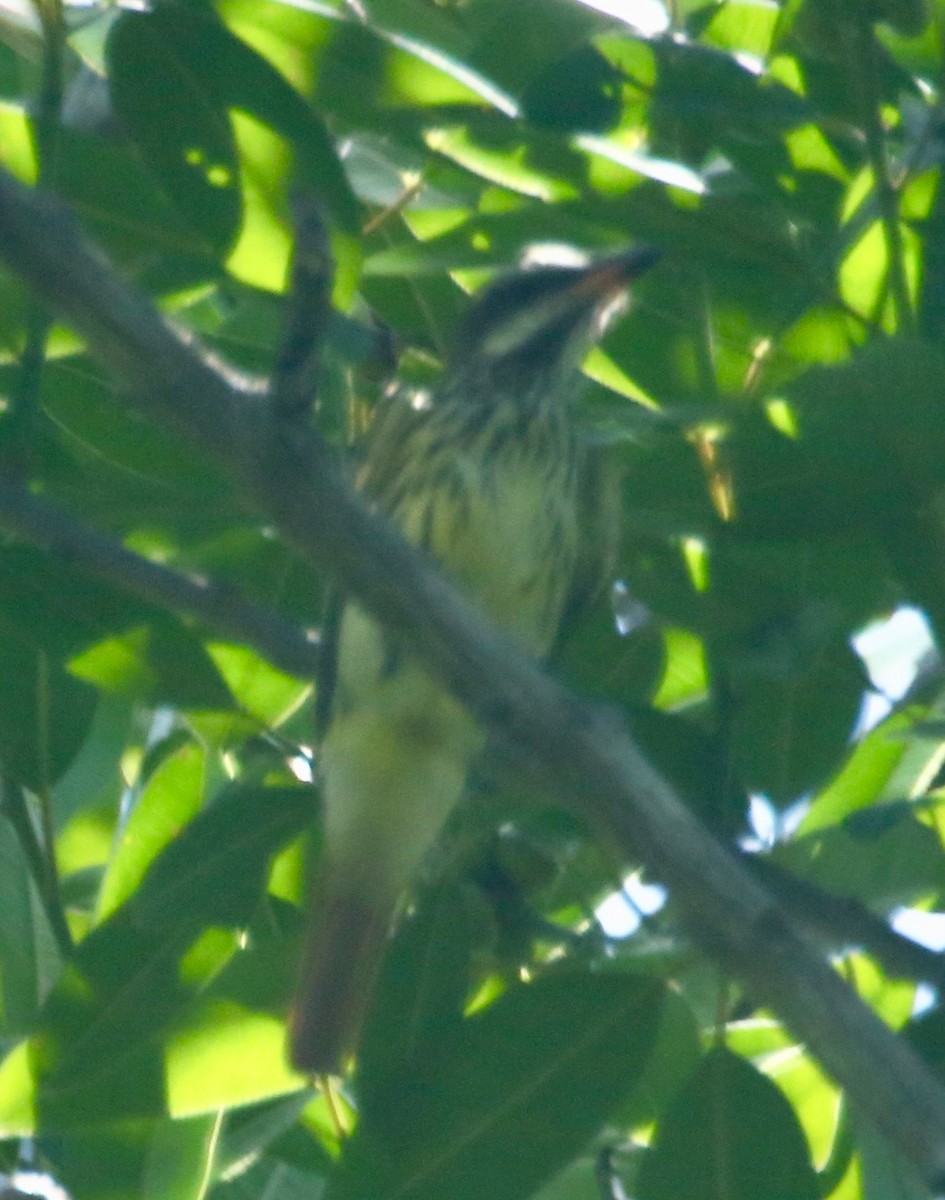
840	922
220	609
581	753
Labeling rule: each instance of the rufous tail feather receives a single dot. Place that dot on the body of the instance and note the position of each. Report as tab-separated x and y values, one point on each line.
341	962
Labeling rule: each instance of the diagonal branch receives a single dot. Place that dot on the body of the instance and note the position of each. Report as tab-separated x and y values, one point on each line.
840	921
219	608
581	753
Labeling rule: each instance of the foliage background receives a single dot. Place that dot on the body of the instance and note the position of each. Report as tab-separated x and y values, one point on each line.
774	398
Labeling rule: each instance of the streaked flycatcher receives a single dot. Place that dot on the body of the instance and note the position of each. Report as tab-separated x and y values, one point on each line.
485	477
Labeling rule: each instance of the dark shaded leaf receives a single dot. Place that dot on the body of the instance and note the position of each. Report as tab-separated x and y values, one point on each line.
179	124
561	1052
730	1135
45	713
579	92
421	991
174	74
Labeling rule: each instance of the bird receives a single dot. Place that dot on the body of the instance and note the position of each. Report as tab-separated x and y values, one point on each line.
486	475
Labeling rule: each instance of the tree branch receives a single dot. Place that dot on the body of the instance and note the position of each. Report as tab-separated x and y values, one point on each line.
581	753
294	380
841	921
219	608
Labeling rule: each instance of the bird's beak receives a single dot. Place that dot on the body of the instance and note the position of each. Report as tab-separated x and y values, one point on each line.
610	277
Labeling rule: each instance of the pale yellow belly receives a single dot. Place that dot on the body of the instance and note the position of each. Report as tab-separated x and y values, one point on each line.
397	754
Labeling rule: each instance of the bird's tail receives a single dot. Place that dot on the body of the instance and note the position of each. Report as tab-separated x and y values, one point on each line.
340	966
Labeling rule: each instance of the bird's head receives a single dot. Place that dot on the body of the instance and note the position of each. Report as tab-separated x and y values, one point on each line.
535	324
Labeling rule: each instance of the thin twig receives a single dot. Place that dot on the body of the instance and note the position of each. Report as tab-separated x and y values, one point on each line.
411	191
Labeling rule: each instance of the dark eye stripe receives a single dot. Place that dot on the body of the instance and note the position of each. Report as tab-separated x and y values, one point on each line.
509	296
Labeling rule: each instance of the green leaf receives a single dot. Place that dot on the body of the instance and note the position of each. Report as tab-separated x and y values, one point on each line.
26	954
497	1106
515	45
55	606
730	1135
116	642
172	798
790	727
162	662
272	1178
675	1056
186	55
745	27
580	1180
261	977
179	1159
421	991
908	17
223	1056
121	1036
865	777
97	1056
700	768
45	713
261	690
123	204
94	776
781	643
883	855
702	95
157	1159
250	1132
104	434
884	1172
535	164
817	1100
926	1034
161	94
215	870
107	1162
580	92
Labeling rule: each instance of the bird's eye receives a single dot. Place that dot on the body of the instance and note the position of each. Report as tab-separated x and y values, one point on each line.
511	315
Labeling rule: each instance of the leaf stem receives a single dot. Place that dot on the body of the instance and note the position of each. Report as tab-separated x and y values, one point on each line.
40	863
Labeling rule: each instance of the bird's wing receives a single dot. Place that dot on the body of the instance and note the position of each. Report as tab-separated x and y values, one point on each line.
378	463
387	446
